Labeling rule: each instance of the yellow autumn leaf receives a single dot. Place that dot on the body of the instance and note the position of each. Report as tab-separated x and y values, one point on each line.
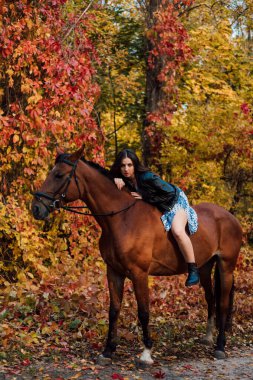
34	99
10	72
15	138
29	23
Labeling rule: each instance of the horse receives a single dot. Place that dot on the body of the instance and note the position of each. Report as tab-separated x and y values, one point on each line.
134	245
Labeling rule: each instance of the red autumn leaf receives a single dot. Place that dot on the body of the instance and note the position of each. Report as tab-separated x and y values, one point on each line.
14	371
117	376
188	366
159	375
245	108
26	362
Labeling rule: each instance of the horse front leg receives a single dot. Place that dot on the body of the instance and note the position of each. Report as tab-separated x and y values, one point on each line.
116	288
140	283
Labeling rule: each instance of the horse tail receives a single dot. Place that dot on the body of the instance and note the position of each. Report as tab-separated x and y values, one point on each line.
217	296
217	293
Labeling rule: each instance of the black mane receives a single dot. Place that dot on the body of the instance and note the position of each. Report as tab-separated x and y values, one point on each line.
65	156
98	167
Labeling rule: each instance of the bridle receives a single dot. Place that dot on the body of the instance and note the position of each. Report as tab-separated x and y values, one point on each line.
57	202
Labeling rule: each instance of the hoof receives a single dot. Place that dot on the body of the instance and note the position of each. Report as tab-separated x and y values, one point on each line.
102	360
207	341
143	363
219	355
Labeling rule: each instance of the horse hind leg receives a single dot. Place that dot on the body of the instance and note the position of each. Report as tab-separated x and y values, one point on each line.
224	290
228	326
206	282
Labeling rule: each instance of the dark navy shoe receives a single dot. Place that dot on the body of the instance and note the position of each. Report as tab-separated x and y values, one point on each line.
193	275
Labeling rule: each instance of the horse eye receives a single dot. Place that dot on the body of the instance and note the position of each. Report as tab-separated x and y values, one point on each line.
59	175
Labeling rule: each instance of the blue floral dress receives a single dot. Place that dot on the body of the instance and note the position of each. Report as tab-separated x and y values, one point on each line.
182	203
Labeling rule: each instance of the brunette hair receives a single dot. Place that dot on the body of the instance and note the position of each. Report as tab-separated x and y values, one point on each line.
127	153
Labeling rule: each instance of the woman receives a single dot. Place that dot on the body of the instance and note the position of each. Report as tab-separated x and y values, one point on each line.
169	199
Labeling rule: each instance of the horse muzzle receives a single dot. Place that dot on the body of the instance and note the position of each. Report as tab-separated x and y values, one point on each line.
39	211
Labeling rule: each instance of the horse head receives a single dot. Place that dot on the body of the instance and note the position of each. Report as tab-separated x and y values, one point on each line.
61	185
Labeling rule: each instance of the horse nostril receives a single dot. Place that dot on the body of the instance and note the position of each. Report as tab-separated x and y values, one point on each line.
36	210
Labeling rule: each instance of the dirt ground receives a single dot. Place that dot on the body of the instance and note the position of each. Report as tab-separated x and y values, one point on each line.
238	365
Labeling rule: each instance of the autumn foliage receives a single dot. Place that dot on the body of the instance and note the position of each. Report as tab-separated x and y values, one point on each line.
47	97
47	93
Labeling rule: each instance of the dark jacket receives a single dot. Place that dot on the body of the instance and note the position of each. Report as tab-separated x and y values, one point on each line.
154	190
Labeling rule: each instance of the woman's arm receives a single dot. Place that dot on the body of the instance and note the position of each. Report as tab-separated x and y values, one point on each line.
120	184
136	195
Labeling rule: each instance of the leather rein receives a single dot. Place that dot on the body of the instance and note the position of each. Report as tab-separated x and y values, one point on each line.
57	202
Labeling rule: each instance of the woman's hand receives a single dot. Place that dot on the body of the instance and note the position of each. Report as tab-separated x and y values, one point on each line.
136	195
119	183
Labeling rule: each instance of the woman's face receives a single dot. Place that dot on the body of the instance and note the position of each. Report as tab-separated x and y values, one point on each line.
127	168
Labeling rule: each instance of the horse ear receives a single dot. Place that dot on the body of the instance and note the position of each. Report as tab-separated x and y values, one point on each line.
59	151
77	155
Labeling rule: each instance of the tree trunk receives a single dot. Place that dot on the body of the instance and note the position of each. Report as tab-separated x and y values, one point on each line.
153	91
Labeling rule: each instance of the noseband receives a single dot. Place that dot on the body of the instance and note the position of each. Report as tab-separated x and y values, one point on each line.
57	202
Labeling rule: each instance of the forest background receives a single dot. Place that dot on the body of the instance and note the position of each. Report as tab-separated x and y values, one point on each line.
170	79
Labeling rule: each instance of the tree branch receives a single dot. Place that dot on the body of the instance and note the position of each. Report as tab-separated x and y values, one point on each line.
77	21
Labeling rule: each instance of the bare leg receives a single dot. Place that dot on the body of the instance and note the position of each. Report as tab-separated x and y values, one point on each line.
179	233
185	245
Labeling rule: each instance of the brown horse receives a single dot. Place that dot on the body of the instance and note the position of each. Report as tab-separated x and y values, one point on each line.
134	244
